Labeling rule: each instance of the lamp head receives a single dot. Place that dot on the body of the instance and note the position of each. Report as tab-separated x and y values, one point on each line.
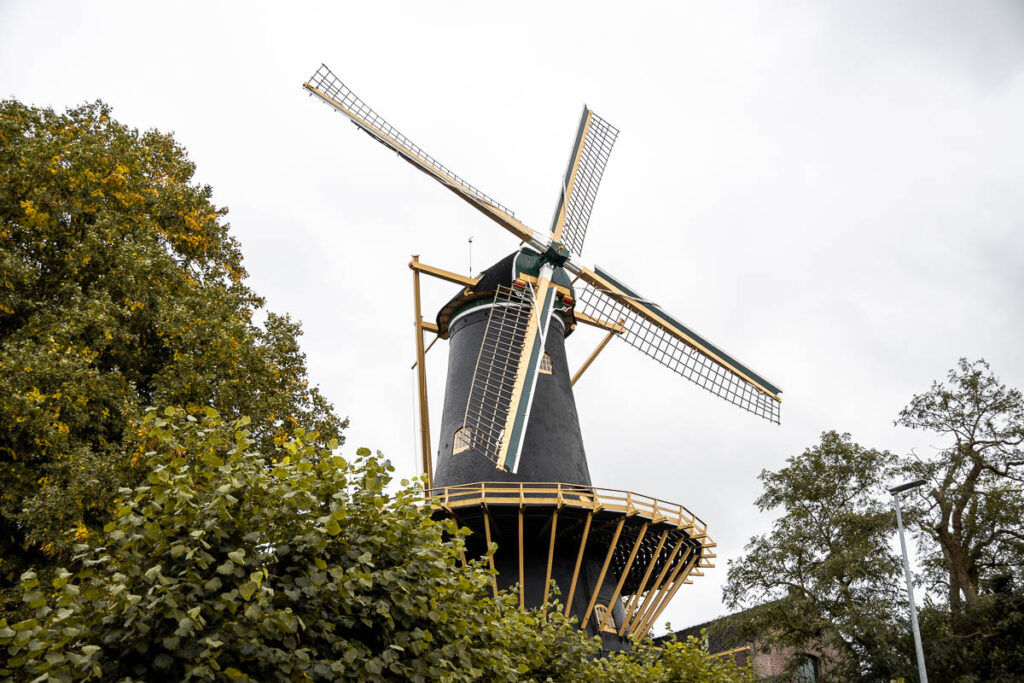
906	487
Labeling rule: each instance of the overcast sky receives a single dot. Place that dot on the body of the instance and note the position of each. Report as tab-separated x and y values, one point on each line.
830	191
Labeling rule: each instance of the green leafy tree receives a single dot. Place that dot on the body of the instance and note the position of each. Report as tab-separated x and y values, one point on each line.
824	574
988	646
971	512
222	566
219	565
827	560
120	287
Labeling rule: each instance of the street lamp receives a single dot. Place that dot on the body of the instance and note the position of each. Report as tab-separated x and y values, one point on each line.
896	491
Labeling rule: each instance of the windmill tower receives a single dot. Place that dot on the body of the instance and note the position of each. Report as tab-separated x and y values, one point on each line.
510	459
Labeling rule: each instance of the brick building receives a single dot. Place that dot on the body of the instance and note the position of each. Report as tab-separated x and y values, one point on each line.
724	637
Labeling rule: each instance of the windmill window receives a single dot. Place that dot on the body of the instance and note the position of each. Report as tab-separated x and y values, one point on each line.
461	441
600	612
545	364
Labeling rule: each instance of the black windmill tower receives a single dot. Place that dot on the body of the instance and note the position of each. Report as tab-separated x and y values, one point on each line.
510	458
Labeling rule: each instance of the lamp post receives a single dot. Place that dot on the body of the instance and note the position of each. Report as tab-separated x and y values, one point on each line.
896	491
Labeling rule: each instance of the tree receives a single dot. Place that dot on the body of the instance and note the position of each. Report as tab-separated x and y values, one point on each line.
220	566
988	645
970	532
974	503
824	575
120	287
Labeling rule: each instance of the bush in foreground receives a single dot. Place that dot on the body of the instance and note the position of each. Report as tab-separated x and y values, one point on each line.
233	563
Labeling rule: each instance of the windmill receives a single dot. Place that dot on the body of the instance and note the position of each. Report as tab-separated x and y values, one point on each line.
511	464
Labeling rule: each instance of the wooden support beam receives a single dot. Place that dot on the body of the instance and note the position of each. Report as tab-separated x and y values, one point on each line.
622	578
522	575
600	324
487	536
643	583
677	583
551	554
440	273
655	588
604	569
579	561
421	379
426	350
593	355
564	291
667	589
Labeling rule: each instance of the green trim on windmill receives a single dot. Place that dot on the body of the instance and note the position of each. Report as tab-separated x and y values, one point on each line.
528	262
562	279
556	254
688	331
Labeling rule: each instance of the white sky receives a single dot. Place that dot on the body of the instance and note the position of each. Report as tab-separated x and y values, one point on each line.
830	191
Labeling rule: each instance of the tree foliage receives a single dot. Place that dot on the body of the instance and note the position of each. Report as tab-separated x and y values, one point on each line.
222	566
823	575
120	287
672	661
987	645
973	506
829	559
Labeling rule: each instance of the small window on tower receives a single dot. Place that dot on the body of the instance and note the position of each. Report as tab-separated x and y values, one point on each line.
545	364
600	612
461	442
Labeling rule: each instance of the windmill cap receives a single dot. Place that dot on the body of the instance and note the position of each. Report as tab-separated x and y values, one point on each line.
504	273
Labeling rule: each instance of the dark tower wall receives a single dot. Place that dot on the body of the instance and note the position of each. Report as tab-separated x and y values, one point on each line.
553	448
552	452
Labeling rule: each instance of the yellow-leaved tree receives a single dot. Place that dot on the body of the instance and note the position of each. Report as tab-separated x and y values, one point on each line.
120	287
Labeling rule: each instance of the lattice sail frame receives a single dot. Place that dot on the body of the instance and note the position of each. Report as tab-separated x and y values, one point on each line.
593	155
678	355
370	121
497	363
591	151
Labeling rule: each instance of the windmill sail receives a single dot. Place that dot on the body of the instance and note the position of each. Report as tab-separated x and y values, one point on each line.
329	88
648	328
593	146
505	375
497	365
